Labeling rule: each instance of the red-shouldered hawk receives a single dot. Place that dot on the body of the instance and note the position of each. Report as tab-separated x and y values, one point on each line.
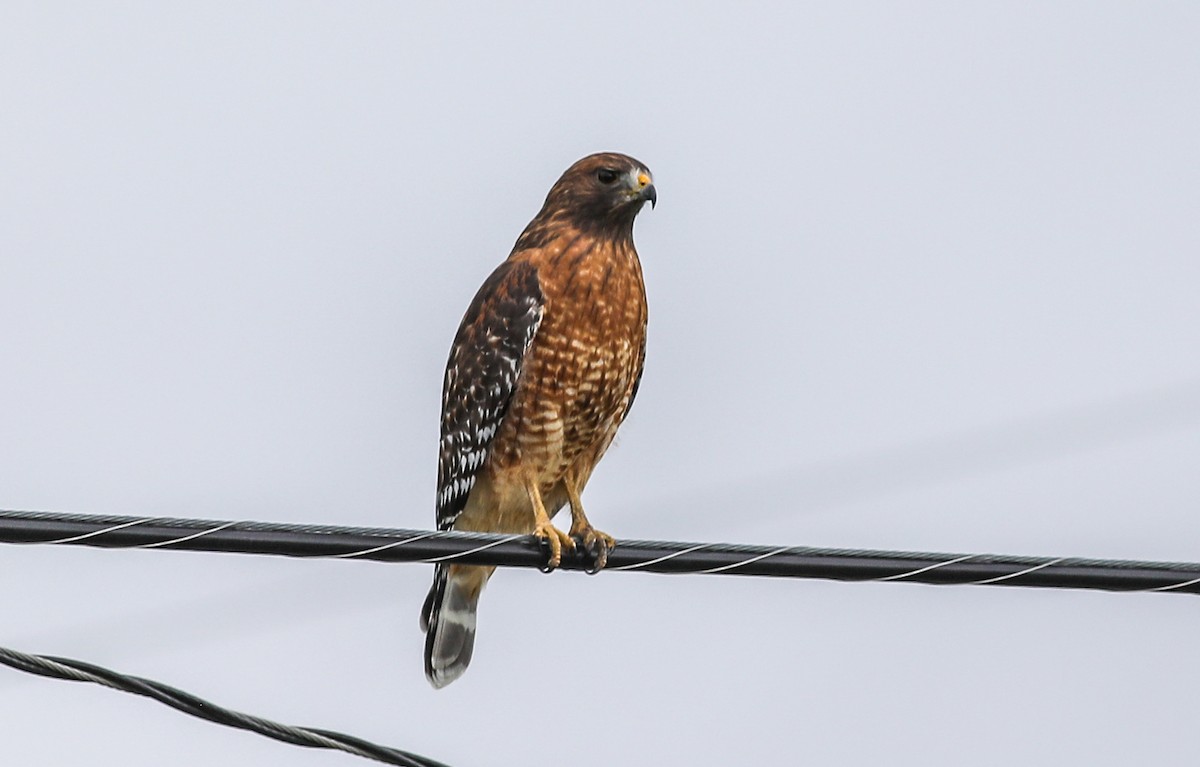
543	370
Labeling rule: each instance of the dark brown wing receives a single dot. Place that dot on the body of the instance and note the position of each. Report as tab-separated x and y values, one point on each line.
481	376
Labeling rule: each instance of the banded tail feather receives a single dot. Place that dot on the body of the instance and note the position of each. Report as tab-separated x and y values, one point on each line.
448	620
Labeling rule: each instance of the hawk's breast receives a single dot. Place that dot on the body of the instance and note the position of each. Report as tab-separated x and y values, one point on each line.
584	361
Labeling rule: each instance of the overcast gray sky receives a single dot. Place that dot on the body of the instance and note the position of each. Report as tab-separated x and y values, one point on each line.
921	276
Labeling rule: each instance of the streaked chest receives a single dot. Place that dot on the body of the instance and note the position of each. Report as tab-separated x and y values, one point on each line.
588	350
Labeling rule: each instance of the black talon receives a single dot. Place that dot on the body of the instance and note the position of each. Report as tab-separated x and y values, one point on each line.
582	549
601	558
597	553
548	552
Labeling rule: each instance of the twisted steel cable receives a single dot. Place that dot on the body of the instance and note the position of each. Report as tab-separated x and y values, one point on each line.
392	545
80	671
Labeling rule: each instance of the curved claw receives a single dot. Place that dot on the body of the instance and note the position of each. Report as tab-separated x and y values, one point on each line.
549	563
553	540
597	545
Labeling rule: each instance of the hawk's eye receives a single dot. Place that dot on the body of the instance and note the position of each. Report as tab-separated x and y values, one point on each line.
606	175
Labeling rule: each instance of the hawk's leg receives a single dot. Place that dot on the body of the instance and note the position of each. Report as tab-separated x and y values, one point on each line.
554	537
594	542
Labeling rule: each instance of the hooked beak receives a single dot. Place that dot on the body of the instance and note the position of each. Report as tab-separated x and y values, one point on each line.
643	188
649	193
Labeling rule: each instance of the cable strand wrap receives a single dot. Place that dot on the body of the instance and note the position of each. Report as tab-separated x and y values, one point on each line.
423	546
80	671
672	557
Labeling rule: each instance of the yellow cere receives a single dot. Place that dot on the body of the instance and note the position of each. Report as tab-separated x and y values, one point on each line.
643	179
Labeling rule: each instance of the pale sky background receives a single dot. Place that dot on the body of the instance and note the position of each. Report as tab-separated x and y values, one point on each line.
921	276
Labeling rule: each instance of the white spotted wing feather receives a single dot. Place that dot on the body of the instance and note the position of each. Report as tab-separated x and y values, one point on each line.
481	377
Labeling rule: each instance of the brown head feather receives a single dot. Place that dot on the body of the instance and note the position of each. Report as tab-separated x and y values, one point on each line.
592	196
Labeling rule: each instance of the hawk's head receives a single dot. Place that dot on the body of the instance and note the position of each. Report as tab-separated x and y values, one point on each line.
605	189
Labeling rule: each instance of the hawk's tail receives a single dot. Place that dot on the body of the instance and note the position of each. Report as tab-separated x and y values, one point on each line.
448	620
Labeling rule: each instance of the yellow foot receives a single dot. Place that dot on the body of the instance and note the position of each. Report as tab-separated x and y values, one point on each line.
556	539
595	543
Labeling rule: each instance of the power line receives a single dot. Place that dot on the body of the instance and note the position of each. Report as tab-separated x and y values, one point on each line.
79	671
391	545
